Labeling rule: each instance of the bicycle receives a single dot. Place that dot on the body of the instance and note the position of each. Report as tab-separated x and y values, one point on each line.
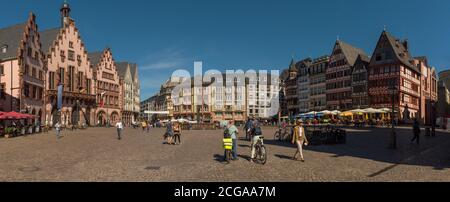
278	134
260	151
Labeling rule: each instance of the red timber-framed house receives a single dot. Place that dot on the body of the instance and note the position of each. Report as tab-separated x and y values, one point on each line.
67	63
359	83
393	70
339	76
107	87
21	69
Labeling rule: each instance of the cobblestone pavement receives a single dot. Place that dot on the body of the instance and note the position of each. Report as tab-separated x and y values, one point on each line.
96	155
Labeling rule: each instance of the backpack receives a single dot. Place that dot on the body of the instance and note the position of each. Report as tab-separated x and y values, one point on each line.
257	130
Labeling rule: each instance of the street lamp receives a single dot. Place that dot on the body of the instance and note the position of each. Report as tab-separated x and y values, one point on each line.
393	136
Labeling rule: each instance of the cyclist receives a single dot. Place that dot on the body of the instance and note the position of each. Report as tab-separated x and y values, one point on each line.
257	133
248	128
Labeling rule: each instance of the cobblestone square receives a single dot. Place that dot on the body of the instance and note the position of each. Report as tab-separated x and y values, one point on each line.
96	154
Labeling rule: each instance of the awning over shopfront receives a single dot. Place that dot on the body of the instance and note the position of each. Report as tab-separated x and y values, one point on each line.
14	116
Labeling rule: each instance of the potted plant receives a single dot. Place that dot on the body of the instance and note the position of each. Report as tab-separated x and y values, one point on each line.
9	132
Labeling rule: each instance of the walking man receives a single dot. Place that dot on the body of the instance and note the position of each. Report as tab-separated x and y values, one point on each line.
248	128
416	131
299	138
119	126
233	131
58	130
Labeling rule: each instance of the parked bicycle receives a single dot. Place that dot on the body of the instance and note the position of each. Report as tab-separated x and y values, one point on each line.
283	134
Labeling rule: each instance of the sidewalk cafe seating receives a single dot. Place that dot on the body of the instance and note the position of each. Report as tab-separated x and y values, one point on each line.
326	135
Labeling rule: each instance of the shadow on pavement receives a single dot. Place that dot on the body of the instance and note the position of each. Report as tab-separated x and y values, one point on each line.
246	157
373	145
283	156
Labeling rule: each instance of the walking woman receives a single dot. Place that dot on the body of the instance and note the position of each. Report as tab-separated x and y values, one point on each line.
299	138
177	133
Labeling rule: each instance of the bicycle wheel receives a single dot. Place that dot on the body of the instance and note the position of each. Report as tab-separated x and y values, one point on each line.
262	155
276	136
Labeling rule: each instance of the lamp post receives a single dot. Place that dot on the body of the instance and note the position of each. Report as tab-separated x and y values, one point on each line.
393	136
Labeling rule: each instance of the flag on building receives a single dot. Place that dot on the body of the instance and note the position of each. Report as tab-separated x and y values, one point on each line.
60	96
102	102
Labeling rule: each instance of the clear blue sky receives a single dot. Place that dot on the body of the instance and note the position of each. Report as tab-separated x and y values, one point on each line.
165	35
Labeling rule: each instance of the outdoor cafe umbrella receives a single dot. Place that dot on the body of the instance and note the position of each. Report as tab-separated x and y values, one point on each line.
347	113
326	112
14	116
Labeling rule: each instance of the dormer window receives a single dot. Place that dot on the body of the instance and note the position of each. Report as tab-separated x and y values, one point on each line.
4	48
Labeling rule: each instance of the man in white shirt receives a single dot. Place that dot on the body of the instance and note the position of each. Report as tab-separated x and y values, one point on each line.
119	126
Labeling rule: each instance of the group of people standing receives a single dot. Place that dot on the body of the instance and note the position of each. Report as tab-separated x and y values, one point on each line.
173	133
254	132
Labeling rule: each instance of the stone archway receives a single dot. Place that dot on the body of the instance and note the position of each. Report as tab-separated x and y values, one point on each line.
55	116
101	118
114	118
39	116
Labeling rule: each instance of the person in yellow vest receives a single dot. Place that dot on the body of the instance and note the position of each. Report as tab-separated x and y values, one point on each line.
299	138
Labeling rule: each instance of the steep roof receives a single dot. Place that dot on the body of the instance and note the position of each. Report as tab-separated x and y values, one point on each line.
47	38
122	68
11	37
401	51
95	57
133	70
351	52
292	66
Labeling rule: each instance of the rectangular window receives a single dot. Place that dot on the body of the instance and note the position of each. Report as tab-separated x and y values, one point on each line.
2	91
88	86
51	81
2	69
61	76
71	78
71	55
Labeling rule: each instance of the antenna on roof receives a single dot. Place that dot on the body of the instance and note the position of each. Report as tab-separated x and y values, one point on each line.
384	27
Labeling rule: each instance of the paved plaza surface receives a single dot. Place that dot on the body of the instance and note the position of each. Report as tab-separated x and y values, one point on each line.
97	155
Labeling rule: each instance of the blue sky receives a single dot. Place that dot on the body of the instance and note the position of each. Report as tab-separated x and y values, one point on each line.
165	35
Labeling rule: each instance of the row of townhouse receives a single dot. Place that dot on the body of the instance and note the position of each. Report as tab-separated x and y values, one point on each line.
33	63
349	79
224	97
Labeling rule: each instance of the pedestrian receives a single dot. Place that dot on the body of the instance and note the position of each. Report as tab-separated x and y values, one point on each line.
299	138
233	131
58	130
169	132
256	135
248	128
416	131
119	126
177	133
144	126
